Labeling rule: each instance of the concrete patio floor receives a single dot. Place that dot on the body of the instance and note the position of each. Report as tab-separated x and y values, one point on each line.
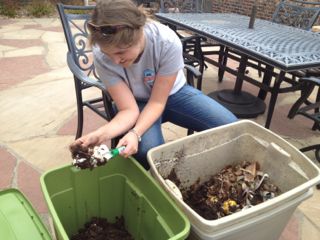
38	116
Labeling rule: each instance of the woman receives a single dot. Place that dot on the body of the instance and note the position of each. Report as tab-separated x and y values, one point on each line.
140	62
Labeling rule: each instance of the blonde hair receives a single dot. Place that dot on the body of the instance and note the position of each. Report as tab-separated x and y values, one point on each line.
117	13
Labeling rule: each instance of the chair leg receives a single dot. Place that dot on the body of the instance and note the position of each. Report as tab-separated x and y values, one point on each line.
306	90
79	113
190	79
80	121
199	55
316	125
199	83
79	107
317	153
315	147
259	71
201	69
190	132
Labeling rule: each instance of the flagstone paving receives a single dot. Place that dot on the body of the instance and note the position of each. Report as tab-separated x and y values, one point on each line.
38	116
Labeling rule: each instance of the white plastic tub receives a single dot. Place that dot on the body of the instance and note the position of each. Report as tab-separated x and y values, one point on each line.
203	154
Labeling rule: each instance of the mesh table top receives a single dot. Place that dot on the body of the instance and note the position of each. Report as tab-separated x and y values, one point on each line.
285	47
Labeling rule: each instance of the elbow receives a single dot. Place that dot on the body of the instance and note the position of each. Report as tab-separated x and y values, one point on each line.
135	114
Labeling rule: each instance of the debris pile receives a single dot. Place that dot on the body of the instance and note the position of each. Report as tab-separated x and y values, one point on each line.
233	189
101	229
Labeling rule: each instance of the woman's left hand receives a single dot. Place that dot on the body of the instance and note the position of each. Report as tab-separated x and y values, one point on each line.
130	141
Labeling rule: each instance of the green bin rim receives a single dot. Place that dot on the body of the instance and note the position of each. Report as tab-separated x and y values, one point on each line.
29	211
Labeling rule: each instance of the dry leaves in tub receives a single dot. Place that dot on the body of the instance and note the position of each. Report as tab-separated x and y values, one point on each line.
234	188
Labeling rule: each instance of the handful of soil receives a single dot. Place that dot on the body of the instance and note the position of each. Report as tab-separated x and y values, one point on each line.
234	188
92	157
101	229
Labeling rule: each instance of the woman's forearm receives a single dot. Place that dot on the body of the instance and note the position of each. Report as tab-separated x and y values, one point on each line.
121	123
151	112
156	104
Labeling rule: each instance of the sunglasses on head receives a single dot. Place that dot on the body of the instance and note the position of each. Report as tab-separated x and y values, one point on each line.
107	29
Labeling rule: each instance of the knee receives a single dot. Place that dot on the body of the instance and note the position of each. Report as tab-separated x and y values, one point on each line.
226	116
231	118
142	159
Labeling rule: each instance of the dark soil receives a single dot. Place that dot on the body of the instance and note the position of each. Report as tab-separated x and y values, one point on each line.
232	189
83	158
101	229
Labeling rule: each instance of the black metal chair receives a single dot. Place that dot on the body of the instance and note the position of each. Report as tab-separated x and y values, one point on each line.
195	47
296	13
308	108
145	3
79	58
74	21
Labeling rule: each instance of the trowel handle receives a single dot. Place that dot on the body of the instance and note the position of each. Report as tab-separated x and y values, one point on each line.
117	151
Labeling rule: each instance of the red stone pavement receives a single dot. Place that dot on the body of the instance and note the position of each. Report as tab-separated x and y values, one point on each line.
7	165
21	70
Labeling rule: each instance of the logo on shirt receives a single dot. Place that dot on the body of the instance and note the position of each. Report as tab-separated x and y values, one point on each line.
148	77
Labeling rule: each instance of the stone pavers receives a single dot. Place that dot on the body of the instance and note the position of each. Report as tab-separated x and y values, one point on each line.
7	166
38	115
10	65
28	182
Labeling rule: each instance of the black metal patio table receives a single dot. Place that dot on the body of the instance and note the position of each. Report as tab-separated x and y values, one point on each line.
278	46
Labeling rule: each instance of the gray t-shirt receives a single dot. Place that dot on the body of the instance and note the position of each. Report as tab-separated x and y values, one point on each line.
162	56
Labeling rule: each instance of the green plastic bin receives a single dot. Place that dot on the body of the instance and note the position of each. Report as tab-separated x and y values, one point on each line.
18	219
119	188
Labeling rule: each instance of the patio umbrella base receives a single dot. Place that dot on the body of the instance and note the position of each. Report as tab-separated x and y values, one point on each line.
243	105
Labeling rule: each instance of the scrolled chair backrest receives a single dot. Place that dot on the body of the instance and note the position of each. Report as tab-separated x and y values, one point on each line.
186	6
297	13
74	21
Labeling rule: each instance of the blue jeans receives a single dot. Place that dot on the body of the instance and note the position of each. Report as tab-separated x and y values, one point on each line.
188	108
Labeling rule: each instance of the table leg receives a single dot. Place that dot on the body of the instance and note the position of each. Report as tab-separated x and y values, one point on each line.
241	72
242	104
223	56
274	96
267	77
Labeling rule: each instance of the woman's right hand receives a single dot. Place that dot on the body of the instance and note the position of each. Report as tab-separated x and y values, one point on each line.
130	141
85	142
